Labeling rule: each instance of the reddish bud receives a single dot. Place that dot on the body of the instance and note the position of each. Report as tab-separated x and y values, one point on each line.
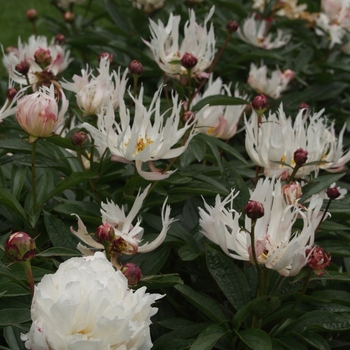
188	60
189	117
22	67
135	67
304	105
288	73
11	93
300	156
132	272
42	57
333	193
105	233
68	17
60	39
79	138
20	247
254	210
318	259
232	26
106	55
260	103
32	15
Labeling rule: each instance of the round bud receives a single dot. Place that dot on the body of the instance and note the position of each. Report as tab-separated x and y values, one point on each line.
22	67
60	39
188	60
288	73
135	67
32	15
254	210
300	156
106	55
304	105
132	272
68	17
20	247
42	57
260	103
189	117
232	26
333	193
11	93
79	138
318	259
105	233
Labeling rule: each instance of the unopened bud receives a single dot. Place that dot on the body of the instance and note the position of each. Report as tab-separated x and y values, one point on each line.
60	39
254	210
292	192
188	60
135	67
260	103
304	105
22	67
68	17
106	55
318	259
79	138
20	247
333	193
132	272
288	73
32	15
300	156
232	26
11	93
42	57
189	117
105	233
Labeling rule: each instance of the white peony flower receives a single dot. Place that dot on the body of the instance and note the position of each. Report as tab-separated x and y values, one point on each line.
271	86
277	138
278	246
150	137
123	227
58	61
197	41
255	32
219	121
93	94
86	304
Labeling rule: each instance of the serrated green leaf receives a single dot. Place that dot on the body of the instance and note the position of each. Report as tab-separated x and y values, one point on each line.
256	339
208	338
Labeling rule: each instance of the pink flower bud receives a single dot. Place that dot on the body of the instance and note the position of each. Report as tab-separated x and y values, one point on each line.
318	259
292	192
38	114
60	39
135	67
11	93
304	105
300	156
20	247
133	273
79	138
189	117
22	67
106	55
188	60
232	26
42	57
105	233
260	103
333	193
32	15
254	210
68	17
288	73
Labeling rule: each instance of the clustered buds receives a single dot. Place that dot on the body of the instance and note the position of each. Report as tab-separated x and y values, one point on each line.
333	193
135	67
254	210
260	103
105	233
232	26
300	156
23	67
188	60
79	138
32	15
132	272
318	260
20	247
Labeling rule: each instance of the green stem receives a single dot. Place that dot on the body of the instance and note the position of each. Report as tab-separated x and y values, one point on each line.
35	202
324	214
29	274
296	303
295	170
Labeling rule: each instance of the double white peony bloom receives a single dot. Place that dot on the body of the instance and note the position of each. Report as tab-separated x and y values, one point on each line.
86	304
278	246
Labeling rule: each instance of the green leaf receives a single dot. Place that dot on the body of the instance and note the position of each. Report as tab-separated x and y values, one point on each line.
203	303
318	184
208	338
11	202
229	277
219	100
18	177
12	336
186	253
160	281
256	339
312	339
291	343
9	317
59	233
335	247
13	289
58	251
